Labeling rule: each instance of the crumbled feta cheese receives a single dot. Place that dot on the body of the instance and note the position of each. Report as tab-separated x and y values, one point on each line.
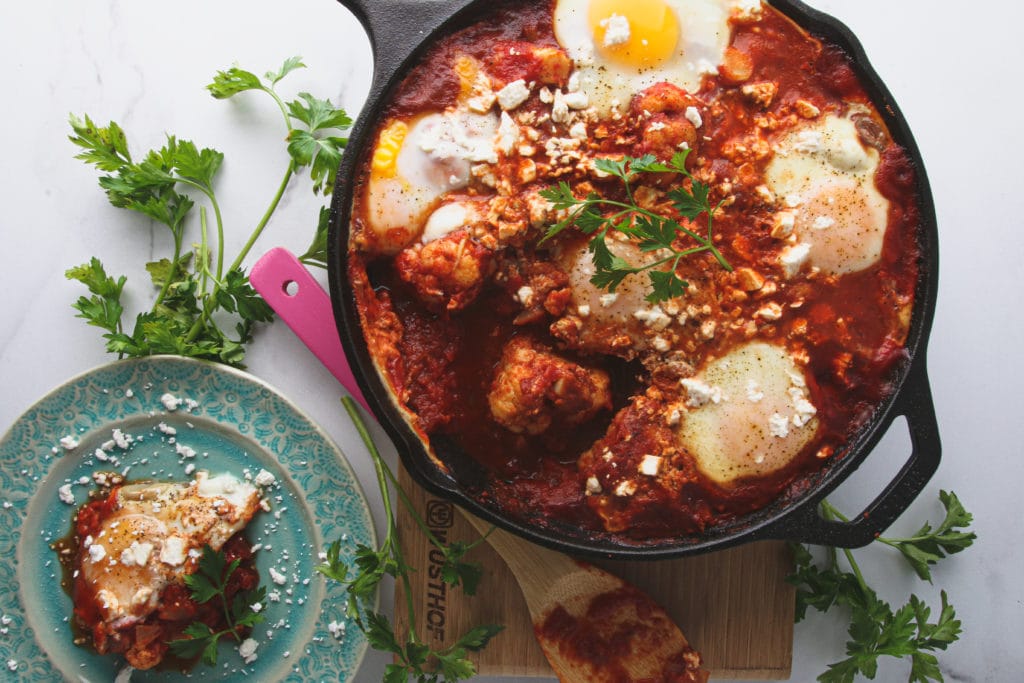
265	478
190	468
65	494
508	134
136	554
525	295
583	310
513	95
247	650
649	465
559	108
823	223
184	451
167	429
625	488
770	311
69	442
747	9
700	393
793	200
171	402
754	393
12	665
122	440
173	551
578	131
336	629
277	577
576	100
778	425
593	486
693	116
782	224
256	607
608	299
616	30
97	552
653	317
793	258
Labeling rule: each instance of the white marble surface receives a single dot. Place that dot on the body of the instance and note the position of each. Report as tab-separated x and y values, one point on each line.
144	64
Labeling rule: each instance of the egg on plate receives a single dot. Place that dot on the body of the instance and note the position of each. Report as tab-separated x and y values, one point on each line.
151	535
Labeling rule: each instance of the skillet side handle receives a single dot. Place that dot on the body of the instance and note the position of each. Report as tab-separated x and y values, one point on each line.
915	403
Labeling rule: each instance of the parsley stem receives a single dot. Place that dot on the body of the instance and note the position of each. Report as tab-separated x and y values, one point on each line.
830	512
390	540
266	217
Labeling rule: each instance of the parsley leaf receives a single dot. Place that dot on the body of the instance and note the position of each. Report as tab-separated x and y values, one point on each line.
204	306
208	583
876	630
928	546
654	233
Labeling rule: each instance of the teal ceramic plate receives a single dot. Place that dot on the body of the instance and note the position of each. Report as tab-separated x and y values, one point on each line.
225	421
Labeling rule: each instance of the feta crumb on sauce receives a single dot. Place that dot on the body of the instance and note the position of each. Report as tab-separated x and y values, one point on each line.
793	258
649	465
626	488
513	94
693	116
593	486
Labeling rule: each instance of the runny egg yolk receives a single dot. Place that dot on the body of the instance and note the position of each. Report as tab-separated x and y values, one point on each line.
639	33
385	156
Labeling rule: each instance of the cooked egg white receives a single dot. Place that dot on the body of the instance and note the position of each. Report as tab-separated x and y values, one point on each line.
416	162
620	47
154	535
748	413
825	177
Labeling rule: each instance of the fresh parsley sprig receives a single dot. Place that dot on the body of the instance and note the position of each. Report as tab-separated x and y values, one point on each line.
209	582
198	294
598	216
876	630
361	580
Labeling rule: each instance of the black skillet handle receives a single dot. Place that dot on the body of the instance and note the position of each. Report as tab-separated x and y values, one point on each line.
806	525
398	27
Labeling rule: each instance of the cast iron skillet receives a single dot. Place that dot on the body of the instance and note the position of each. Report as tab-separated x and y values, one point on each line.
400	31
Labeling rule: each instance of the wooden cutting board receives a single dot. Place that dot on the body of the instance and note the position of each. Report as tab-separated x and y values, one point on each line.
734	606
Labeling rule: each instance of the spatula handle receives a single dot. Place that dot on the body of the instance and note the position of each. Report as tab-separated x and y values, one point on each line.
299	300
